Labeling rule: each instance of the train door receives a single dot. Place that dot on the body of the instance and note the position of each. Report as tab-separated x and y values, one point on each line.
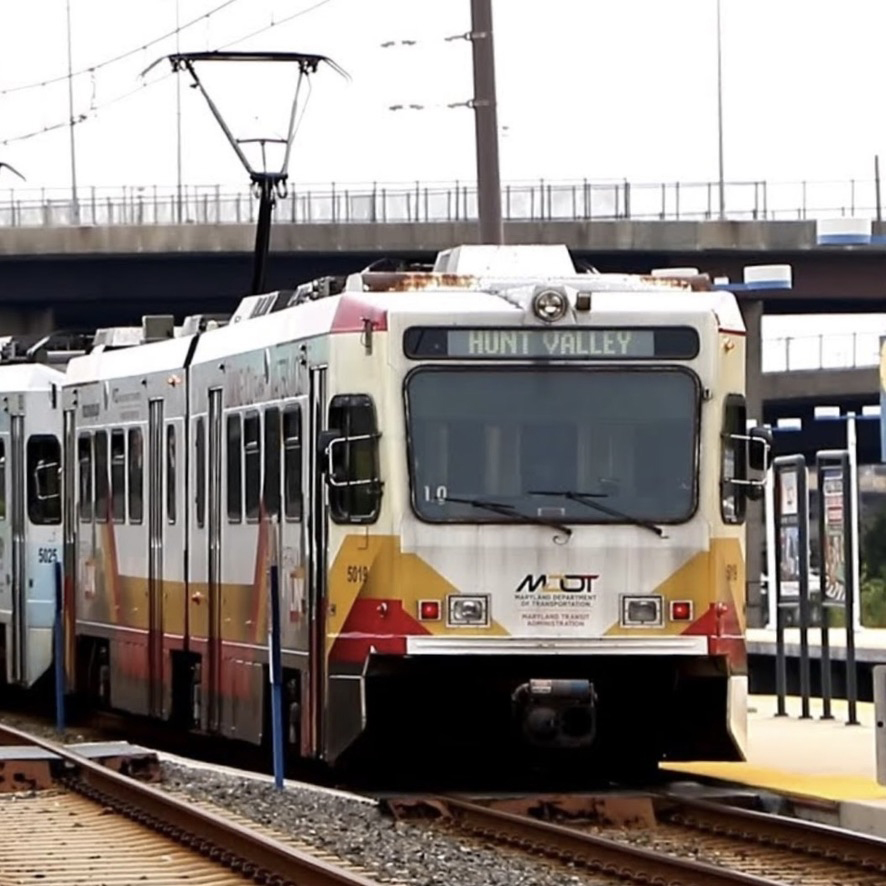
17	514
213	633
155	557
315	542
293	585
6	607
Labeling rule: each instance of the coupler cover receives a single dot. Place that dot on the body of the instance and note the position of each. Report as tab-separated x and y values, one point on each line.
556	713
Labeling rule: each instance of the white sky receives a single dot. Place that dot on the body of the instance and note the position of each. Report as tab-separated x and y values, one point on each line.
597	89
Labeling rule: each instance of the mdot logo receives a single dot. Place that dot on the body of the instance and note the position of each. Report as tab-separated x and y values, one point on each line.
552	583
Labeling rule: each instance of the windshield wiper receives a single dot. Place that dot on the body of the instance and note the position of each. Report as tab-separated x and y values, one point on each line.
506	510
588	499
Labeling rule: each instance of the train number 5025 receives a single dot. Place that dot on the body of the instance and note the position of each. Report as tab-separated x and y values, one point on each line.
47	555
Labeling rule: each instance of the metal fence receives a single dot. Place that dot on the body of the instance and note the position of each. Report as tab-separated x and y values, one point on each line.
849	350
441	202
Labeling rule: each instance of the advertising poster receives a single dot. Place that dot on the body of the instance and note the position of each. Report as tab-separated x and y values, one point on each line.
833	540
788	493
789	561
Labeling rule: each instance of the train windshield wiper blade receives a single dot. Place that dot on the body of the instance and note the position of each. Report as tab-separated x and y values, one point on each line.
588	499
507	510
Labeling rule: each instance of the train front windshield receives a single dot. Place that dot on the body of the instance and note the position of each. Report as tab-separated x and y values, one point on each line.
521	441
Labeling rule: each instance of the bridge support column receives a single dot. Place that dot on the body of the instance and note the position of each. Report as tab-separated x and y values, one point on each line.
752	311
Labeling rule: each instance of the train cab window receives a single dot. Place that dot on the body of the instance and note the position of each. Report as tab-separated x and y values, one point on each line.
292	465
170	473
44	458
354	486
734	460
136	475
200	469
2	479
102	489
252	449
235	469
84	460
118	476
271	493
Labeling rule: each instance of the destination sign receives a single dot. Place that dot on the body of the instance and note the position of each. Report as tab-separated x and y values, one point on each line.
568	343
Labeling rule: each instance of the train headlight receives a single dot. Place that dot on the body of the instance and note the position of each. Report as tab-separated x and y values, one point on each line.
466	610
550	304
641	612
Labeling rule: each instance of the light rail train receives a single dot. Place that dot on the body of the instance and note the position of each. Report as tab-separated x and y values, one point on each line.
505	500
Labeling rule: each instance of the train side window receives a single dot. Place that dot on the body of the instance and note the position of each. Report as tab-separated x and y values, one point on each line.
118	476
354	485
170	473
2	479
200	468
235	469
102	488
733	501
136	475
252	447
271	494
44	456
292	466
84	459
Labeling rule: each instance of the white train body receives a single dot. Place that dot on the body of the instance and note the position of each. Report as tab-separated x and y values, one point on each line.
30	518
506	502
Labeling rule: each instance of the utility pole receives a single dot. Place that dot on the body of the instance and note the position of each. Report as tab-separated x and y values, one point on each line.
486	124
722	186
75	205
178	122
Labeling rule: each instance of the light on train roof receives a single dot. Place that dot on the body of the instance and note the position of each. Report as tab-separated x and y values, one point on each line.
549	304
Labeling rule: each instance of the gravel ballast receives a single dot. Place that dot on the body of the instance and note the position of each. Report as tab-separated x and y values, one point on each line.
417	853
391	851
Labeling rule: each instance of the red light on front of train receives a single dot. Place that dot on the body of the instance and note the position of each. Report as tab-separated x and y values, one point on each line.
681	610
429	610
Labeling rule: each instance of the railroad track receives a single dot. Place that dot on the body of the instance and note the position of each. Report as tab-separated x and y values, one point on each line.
54	831
679	838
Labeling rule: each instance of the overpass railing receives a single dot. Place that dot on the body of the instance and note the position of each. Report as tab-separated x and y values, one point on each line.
850	350
441	202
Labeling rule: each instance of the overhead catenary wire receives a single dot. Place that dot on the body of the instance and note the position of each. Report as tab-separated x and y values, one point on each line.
93	111
91	69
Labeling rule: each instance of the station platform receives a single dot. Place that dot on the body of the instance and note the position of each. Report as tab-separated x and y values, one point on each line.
819	763
870	643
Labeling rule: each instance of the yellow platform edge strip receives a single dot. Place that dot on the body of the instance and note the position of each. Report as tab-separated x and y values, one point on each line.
820	787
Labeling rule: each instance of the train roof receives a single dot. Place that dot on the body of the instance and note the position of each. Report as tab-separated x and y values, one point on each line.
463	281
23	377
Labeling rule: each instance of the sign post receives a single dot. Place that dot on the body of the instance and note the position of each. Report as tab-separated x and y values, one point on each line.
837	577
792	569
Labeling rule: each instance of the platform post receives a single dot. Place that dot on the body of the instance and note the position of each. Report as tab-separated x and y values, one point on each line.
275	664
852	595
803	537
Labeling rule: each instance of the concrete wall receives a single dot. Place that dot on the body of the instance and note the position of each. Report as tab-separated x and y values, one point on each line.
620	236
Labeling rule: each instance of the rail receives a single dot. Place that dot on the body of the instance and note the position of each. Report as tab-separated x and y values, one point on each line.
226	841
436	202
750	847
849	350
